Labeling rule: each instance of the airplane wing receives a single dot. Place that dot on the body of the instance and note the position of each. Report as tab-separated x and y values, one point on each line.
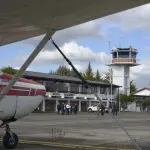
22	19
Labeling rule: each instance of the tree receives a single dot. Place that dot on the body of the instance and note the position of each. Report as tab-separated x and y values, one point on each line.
132	87
97	77
108	76
51	72
88	74
73	74
63	70
9	70
125	100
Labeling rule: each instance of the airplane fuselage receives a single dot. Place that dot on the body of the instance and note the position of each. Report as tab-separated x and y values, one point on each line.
23	98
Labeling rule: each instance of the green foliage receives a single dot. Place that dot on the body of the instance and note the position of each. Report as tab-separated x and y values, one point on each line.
73	74
126	98
107	76
9	70
132	87
146	102
51	72
63	70
88	74
98	77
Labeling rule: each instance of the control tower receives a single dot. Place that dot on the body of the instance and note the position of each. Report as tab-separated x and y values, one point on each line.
122	60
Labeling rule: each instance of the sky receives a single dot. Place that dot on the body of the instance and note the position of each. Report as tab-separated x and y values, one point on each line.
89	42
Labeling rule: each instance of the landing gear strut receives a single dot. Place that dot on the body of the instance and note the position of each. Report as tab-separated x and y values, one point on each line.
10	139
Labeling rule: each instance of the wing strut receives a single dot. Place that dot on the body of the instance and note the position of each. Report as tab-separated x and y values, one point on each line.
26	64
85	83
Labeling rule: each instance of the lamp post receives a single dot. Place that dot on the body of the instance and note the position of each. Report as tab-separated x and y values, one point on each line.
111	84
110	77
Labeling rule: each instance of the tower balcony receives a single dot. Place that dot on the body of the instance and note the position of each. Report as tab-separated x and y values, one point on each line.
124	60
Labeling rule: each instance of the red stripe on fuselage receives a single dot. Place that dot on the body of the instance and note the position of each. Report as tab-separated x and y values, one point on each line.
26	93
21	91
7	78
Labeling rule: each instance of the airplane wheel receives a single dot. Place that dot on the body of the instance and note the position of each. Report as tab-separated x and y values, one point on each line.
9	141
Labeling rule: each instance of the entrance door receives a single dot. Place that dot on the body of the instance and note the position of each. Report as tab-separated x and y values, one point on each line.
84	106
50	105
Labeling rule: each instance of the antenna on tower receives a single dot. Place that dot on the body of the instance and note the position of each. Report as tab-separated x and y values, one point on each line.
120	40
148	83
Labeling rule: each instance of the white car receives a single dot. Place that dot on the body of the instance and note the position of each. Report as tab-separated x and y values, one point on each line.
93	108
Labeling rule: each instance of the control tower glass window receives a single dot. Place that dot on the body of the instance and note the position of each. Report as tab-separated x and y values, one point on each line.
115	55
133	55
123	54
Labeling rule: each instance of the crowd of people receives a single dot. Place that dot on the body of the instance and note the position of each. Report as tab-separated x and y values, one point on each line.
111	109
67	109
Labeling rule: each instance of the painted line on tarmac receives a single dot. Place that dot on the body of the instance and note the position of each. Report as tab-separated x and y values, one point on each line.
62	145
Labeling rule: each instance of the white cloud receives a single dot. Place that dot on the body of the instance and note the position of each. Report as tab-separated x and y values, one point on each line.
28	69
90	29
141	73
77	54
80	57
136	18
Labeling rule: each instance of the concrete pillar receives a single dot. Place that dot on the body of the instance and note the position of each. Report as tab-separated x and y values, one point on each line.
43	105
89	103
56	104
79	105
69	87
68	101
80	88
98	90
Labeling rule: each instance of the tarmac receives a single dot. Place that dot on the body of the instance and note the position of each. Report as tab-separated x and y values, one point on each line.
42	131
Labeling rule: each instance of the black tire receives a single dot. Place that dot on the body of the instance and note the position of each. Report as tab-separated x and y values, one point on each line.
10	142
90	110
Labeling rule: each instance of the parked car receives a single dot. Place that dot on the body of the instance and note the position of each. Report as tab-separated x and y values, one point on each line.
93	108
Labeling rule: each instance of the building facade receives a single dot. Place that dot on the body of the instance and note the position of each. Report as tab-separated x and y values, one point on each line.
142	99
70	90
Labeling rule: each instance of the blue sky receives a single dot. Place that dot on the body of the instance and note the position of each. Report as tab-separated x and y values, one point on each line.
127	28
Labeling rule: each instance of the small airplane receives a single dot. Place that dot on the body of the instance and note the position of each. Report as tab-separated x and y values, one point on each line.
22	99
20	20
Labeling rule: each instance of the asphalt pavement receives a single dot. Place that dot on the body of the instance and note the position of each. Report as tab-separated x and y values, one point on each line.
81	131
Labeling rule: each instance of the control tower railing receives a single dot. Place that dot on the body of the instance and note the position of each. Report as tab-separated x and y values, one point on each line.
123	60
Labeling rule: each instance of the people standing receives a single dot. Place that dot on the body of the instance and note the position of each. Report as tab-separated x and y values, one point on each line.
110	107
75	109
67	109
71	109
58	108
62	109
114	109
102	109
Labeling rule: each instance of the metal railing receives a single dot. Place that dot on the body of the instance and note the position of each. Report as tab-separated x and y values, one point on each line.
123	60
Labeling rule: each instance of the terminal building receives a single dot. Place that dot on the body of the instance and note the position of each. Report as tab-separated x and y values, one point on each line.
70	90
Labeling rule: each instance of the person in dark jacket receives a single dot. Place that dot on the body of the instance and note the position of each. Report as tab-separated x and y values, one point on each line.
75	108
62	109
102	109
71	107
58	108
114	109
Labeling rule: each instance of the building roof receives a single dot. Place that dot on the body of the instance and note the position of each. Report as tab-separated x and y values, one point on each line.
142	92
124	49
46	76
